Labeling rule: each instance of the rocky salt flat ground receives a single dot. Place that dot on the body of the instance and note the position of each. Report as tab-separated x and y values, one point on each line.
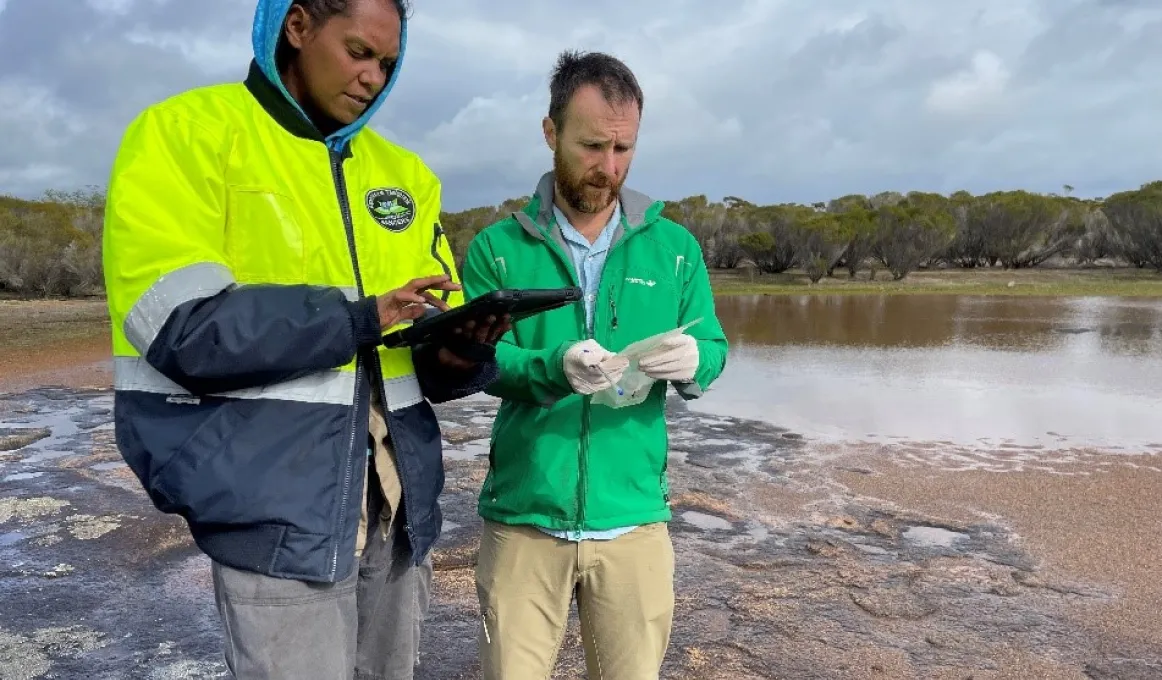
796	559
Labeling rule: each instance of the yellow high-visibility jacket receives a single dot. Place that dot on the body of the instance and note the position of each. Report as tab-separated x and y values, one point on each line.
242	254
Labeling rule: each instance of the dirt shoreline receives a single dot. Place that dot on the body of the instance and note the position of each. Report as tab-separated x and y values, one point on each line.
54	342
796	559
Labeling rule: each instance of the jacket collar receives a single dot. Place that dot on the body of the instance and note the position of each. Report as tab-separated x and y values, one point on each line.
279	108
537	217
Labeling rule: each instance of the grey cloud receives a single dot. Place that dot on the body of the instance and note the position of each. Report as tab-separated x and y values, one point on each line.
772	101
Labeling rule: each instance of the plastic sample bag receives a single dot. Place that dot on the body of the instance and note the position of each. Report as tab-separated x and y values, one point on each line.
635	386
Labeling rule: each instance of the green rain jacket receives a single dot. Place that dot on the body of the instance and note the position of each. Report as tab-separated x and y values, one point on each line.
557	460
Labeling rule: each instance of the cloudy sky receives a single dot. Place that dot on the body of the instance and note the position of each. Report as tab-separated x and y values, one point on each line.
770	100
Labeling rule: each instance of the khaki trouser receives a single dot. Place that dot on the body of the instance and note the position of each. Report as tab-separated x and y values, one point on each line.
384	459
526	581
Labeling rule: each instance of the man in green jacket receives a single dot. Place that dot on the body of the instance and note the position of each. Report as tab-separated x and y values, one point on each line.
576	497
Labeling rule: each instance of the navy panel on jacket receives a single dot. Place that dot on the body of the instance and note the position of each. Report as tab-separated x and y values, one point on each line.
261	482
237	419
419	454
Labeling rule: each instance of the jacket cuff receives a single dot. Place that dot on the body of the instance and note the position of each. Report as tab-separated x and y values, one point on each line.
440	384
556	366
365	321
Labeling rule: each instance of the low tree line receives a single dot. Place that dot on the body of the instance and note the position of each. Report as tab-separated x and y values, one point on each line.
52	246
904	232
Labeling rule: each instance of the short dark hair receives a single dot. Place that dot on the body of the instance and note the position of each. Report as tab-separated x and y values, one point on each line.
575	70
320	11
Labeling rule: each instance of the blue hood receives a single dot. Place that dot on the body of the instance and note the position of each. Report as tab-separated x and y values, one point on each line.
269	17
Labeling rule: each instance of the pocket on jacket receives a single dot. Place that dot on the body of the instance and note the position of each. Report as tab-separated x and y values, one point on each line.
265	238
533	470
643	302
255	461
175	479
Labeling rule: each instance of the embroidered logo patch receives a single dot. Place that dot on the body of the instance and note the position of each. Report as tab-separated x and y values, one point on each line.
392	207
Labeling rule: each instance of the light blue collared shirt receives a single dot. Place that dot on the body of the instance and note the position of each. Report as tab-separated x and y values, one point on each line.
588	260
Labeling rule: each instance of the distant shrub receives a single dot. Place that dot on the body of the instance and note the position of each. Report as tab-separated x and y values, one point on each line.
52	247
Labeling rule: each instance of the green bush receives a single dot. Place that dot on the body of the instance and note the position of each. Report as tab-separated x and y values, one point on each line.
52	247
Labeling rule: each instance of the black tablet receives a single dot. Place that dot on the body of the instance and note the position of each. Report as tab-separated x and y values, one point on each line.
519	304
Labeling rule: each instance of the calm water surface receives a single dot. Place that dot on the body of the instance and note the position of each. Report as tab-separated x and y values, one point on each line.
972	370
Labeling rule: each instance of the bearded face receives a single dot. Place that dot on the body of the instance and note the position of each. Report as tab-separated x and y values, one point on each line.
592	150
586	190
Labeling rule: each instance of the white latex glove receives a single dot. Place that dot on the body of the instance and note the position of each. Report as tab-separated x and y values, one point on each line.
586	361
675	359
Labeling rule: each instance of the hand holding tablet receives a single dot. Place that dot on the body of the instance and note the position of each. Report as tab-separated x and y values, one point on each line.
516	304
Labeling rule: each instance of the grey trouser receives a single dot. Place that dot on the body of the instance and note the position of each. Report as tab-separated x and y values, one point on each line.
365	627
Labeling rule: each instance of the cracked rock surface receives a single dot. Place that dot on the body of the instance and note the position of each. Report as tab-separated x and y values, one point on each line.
784	571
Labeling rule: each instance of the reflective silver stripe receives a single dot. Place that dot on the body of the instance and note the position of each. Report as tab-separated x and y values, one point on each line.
149	313
350	292
402	392
327	387
134	374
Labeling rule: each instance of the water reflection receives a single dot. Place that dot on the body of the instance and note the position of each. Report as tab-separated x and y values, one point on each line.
1124	326
968	369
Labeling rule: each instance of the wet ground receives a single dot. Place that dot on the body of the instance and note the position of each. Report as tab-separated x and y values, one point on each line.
968	488
95	583
793	562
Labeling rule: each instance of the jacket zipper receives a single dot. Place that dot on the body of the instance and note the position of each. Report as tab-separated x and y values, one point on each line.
583	452
588	404
587	401
376	379
439	233
345	210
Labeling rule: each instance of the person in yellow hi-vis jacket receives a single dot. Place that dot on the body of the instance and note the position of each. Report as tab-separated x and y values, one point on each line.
259	241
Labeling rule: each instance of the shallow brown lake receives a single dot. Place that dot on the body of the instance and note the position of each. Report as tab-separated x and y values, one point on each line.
984	370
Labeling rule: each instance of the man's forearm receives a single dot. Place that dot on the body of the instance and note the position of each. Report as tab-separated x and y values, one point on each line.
533	376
